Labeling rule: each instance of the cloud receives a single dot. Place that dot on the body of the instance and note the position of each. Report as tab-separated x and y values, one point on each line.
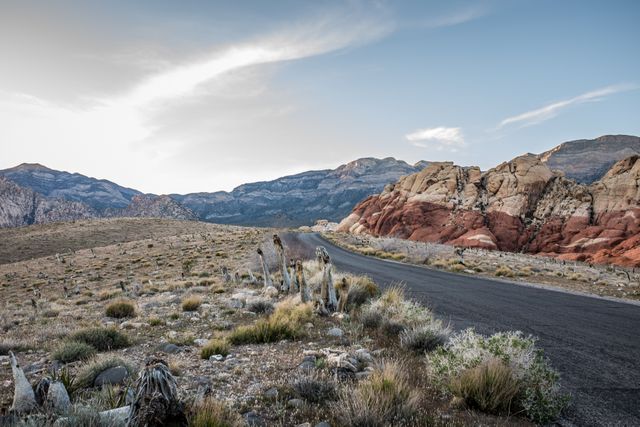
455	18
440	137
550	111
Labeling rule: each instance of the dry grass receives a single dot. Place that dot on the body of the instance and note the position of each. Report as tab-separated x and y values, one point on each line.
191	303
215	346
504	271
121	309
212	413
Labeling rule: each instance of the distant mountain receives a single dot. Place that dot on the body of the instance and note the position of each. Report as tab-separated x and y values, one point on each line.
288	201
299	199
587	160
100	194
21	206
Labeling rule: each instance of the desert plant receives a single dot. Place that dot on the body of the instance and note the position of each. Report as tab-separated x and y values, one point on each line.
121	309
396	311
71	351
155	321
213	413
425	338
191	303
285	323
213	347
540	397
261	306
504	271
362	289
88	372
315	388
385	398
490	387
102	339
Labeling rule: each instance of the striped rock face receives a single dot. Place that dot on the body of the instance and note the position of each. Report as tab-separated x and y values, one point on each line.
521	205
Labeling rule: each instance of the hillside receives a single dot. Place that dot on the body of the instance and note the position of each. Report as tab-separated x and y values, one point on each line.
520	205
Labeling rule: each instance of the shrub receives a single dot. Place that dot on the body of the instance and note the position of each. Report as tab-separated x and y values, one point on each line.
457	268
102	339
155	321
72	351
424	339
88	373
370	319
261	306
191	303
540	396
394	308
213	413
504	271
385	398
213	347
121	309
285	323
315	388
361	291
489	387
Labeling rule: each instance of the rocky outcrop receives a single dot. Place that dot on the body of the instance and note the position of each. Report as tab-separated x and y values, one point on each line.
521	205
22	206
587	160
150	206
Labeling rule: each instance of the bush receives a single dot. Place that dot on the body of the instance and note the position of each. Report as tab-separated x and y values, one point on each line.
191	303
361	291
370	319
213	347
121	309
315	388
489	387
88	373
424	339
213	413
102	339
72	351
385	398
285	323
396	311
540	396
261	306
504	271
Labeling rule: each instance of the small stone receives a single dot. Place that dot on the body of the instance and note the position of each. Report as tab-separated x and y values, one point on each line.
323	424
295	403
272	393
335	332
234	303
304	425
307	366
200	342
363	375
216	358
169	348
112	376
308	325
253	419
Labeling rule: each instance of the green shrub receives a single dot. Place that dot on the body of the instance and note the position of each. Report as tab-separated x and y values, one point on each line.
155	321
102	339
261	306
285	323
213	347
88	373
71	351
121	309
315	388
490	387
212	413
540	397
425	338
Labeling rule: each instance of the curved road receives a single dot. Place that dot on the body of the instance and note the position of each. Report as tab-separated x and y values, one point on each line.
594	343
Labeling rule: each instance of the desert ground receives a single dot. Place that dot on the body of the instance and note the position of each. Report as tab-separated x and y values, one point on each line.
193	294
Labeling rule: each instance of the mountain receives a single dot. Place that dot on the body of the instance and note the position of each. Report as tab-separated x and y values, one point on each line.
587	160
100	194
299	199
288	201
520	205
21	206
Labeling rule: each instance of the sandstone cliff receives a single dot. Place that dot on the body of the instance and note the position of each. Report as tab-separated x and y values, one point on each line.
521	205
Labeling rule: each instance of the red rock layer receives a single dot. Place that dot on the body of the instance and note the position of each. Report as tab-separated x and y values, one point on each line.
517	206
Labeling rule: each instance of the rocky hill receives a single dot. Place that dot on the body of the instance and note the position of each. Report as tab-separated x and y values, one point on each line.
520	205
150	206
22	206
99	194
299	199
587	160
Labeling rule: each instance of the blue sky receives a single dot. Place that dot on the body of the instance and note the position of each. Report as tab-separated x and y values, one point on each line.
202	96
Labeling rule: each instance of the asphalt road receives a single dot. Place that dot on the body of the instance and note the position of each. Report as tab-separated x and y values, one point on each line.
594	343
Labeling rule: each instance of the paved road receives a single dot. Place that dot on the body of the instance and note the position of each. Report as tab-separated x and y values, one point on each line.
594	343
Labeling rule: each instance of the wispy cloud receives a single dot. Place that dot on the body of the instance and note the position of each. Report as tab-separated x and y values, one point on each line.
550	111
455	18
439	137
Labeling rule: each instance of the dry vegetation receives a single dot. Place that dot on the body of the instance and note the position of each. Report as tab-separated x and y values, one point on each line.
193	295
577	276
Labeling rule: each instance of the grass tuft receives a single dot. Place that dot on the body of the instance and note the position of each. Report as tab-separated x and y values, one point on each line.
213	347
102	339
213	413
191	303
71	351
121	309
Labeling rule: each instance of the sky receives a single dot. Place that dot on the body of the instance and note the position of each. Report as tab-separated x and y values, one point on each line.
189	96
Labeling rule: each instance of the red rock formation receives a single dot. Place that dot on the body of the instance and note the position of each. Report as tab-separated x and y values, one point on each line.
519	205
